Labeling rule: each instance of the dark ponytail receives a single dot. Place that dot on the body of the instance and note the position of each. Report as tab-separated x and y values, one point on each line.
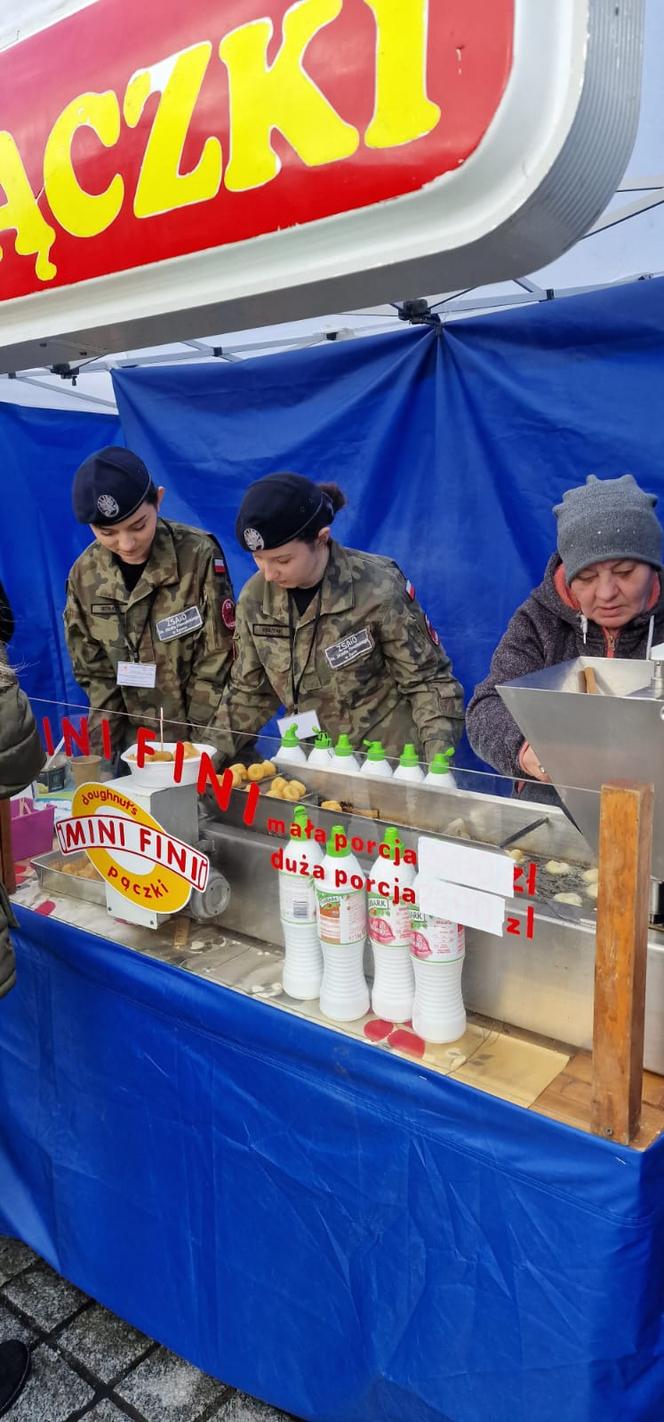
333	499
336	497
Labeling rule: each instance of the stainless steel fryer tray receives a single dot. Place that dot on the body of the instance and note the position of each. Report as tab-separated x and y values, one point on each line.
56	883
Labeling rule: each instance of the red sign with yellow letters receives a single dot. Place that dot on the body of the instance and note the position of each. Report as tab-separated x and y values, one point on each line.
134	132
177	168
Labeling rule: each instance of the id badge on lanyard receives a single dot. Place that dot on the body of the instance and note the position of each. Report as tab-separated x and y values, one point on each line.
137	674
306	724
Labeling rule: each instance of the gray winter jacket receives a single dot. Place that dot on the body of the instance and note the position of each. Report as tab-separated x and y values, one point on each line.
21	758
543	632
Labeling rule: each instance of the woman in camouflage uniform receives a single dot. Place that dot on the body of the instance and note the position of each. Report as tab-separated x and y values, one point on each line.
329	629
150	611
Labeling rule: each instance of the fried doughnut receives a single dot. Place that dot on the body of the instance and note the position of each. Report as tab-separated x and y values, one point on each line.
261	770
296	789
237	779
240	770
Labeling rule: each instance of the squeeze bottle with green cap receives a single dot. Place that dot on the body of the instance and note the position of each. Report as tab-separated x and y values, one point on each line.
376	762
343	758
389	931
303	962
341	904
439	773
321	755
409	767
290	751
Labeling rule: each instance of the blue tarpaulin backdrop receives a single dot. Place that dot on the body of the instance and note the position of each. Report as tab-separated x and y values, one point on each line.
452	444
39	539
328	1227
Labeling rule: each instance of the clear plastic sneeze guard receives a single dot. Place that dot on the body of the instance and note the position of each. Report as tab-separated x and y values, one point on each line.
196	873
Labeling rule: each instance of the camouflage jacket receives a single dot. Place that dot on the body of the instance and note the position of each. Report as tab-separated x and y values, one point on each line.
376	668
106	624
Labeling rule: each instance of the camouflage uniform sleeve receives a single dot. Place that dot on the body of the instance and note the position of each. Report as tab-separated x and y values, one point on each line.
249	700
92	667
214	649
422	670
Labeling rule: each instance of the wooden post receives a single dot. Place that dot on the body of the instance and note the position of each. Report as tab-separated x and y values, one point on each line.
625	851
7	870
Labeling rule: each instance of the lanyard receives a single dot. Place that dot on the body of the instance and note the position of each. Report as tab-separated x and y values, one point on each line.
133	644
296	685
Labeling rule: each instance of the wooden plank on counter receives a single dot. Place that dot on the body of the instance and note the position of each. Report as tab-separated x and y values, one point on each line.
581	1067
569	1100
625	852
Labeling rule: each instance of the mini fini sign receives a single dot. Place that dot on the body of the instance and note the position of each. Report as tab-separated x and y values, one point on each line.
131	851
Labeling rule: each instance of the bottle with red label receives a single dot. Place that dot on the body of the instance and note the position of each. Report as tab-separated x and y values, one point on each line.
437	950
389	931
341	906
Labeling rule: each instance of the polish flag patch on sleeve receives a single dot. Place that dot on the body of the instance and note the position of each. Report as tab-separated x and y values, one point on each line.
219	567
410	591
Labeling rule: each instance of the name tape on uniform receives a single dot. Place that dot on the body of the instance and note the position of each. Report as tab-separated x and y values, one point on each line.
341	653
103	609
267	629
178	624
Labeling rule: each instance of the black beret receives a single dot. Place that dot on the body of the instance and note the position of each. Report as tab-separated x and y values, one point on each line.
109	486
281	507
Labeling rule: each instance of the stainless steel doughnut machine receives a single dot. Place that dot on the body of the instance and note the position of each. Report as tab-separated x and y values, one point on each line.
543	984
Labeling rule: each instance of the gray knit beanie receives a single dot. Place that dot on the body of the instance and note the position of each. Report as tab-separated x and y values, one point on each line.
604	519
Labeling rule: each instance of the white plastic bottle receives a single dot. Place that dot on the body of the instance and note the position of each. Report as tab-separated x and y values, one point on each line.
376	763
303	961
343	758
437	949
342	929
321	755
290	751
409	767
389	931
439	773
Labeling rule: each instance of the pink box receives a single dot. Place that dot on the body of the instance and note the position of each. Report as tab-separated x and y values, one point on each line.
32	829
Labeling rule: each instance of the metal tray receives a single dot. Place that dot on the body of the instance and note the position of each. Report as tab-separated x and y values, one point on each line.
93	891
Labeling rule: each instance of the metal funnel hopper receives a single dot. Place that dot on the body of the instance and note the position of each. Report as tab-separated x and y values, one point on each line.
585	740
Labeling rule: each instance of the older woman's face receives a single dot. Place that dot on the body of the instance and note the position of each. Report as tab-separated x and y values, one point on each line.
613	592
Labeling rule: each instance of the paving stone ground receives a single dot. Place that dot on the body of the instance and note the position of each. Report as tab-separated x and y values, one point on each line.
89	1365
